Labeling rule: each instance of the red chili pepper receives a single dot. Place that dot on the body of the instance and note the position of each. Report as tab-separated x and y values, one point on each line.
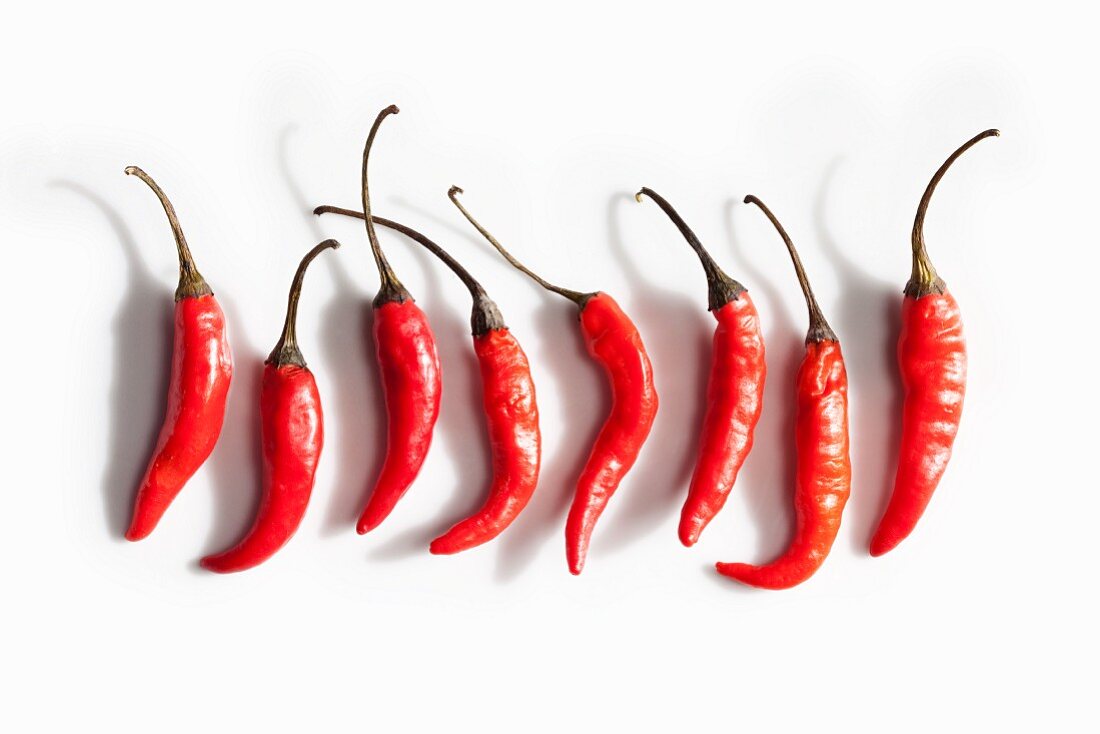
292	431
410	374
202	368
735	390
614	342
932	359
824	475
510	407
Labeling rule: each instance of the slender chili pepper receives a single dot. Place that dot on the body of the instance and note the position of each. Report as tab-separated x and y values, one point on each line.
510	407
202	367
932	360
614	342
735	390
410	374
292	431
824	475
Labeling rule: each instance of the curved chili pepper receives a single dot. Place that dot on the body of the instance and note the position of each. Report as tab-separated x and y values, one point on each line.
202	368
510	407
292	431
932	359
614	342
824	475
410	374
735	390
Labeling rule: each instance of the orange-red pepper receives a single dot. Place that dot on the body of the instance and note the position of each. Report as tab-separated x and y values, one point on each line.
411	379
932	360
613	341
202	368
292	433
735	389
824	474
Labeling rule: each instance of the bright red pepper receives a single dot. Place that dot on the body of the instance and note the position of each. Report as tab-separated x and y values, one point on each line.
411	378
292	432
202	368
735	390
614	342
932	360
824	474
510	407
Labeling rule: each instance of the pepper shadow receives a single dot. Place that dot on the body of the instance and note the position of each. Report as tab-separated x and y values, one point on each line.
677	332
869	321
461	431
580	399
355	434
142	356
767	478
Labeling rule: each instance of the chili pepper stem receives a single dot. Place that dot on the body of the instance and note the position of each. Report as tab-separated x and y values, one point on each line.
391	289
721	288
820	330
486	316
286	349
575	296
191	283
924	280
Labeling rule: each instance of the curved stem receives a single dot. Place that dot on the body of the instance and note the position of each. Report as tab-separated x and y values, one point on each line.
191	283
924	279
575	296
391	289
286	349
721	288
486	317
819	328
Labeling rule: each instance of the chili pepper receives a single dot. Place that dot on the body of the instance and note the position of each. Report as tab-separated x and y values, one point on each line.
613	341
410	374
824	475
735	389
292	431
510	407
932	360
202	368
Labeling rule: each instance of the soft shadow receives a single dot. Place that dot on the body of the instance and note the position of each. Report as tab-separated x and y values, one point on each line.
142	358
869	320
677	332
767	479
355	435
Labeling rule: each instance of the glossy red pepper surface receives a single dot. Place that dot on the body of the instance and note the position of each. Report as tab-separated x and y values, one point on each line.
932	362
292	432
735	398
824	473
514	439
412	386
735	389
824	470
614	342
202	368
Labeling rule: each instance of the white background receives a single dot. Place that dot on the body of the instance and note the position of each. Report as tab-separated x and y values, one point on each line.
836	114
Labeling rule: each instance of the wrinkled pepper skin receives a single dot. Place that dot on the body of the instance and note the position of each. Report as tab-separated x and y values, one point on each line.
412	386
735	395
292	432
614	342
932	359
202	368
824	473
514	440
